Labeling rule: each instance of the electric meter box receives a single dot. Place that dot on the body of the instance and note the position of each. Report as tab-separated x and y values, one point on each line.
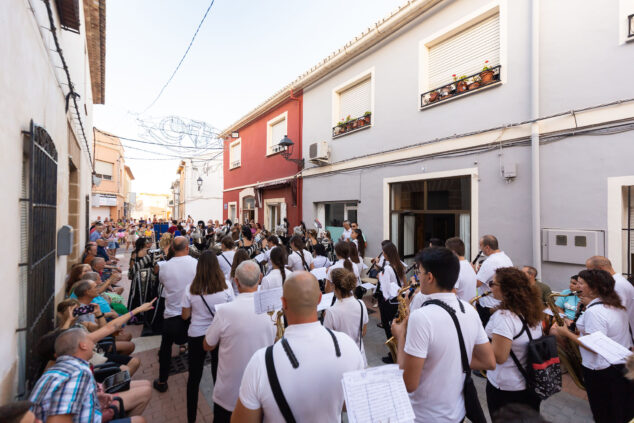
571	246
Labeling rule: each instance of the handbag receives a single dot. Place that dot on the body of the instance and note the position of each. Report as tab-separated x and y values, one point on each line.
117	382
471	402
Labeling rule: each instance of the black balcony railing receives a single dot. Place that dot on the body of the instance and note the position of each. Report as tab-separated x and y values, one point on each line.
352	125
277	148
466	85
235	164
630	26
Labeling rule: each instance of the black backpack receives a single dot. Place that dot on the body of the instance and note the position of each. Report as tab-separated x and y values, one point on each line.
543	370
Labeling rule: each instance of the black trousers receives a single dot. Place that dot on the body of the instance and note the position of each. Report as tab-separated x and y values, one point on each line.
221	415
197	355
611	396
172	333
388	311
497	398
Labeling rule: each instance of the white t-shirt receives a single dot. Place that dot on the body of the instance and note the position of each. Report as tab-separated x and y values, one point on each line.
240	333
201	318
417	301
295	263
625	289
486	273
175	275
389	282
431	334
506	376
344	316
610	321
347	233
313	390
321	261
273	279
225	265
339	265
466	285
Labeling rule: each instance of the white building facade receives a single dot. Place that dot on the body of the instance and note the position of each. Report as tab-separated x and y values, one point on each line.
198	191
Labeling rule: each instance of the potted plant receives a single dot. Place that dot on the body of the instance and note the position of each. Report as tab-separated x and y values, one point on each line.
461	85
367	117
475	83
348	123
486	76
446	91
339	128
433	96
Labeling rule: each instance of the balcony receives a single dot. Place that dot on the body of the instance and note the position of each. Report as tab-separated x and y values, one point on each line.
277	148
464	85
352	125
235	164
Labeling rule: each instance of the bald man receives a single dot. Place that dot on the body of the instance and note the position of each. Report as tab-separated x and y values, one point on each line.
622	286
174	275
309	363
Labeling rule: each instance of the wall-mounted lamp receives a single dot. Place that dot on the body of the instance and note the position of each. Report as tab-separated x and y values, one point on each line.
200	183
287	150
235	135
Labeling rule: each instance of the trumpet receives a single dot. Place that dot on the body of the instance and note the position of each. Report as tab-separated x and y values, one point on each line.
474	300
569	353
401	314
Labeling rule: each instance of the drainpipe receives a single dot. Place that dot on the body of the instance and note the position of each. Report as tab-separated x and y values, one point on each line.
535	189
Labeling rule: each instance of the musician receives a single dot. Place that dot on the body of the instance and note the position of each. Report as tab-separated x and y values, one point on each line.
428	345
175	275
348	315
544	290
276	277
495	259
609	392
391	279
342	251
569	301
311	386
520	310
622	286
238	332
466	288
225	258
299	259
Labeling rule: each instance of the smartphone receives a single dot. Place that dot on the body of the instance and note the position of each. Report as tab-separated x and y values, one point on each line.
85	309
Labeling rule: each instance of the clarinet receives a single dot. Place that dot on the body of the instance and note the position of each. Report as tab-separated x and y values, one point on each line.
475	260
573	325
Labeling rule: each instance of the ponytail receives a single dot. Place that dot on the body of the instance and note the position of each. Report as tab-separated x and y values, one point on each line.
278	258
347	264
342	249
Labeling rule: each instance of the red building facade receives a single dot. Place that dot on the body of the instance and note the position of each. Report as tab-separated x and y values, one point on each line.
259	183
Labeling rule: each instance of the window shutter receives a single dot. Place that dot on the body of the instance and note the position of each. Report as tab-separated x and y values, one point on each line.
356	100
235	154
465	52
277	132
103	168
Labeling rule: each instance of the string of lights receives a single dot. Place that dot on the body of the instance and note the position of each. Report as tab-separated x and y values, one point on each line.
182	58
150	142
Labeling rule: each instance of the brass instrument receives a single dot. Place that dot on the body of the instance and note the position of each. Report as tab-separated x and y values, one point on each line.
569	353
278	320
474	300
402	313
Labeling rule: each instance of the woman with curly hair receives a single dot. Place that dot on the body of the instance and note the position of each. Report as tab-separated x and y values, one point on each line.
519	314
609	392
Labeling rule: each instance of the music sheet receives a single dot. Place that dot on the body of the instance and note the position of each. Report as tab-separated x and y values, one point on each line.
261	257
612	351
326	301
378	395
267	300
368	286
319	273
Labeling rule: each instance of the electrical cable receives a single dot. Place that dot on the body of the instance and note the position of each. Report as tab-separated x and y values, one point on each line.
153	143
182	58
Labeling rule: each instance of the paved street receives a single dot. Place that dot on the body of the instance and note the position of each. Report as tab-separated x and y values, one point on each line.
570	405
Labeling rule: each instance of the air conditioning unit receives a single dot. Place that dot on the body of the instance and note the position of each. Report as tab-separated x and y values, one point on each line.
318	152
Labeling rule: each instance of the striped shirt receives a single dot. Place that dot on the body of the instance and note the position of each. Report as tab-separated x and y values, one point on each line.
68	387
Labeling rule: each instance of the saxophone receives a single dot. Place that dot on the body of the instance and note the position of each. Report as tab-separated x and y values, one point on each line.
474	300
278	321
402	313
569	353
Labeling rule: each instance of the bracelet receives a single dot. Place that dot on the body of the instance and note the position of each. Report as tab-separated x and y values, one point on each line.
99	317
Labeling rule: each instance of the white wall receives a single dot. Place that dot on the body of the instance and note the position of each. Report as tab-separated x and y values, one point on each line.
207	203
30	90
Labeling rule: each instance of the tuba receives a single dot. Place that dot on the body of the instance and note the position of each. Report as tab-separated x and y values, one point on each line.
401	314
569	353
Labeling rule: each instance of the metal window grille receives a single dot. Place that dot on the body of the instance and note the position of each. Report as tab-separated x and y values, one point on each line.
630	26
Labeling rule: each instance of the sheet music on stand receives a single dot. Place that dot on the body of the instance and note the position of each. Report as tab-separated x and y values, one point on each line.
267	300
612	351
378	395
326	301
261	257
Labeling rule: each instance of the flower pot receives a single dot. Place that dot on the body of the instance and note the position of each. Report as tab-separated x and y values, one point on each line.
433	96
367	119
486	77
338	130
461	86
360	122
349	126
474	85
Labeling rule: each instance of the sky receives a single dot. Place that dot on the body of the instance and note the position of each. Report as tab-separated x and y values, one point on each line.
245	51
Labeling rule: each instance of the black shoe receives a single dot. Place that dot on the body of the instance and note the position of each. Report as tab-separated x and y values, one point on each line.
161	387
387	359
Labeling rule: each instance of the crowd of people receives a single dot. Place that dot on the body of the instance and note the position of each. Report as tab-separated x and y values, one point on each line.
446	317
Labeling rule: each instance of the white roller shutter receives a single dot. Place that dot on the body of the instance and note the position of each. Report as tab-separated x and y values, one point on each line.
356	100
103	168
465	52
235	153
278	131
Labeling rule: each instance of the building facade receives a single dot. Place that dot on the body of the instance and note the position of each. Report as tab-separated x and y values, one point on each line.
46	165
149	205
111	194
260	184
197	193
533	147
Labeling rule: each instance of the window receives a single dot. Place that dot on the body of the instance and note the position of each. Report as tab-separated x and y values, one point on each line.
276	129
68	11
356	100
352	105
235	154
104	170
464	53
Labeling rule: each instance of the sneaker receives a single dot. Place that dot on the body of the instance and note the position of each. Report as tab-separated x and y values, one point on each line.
161	387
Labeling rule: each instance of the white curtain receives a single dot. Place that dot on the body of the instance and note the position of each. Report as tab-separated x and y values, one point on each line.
465	233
